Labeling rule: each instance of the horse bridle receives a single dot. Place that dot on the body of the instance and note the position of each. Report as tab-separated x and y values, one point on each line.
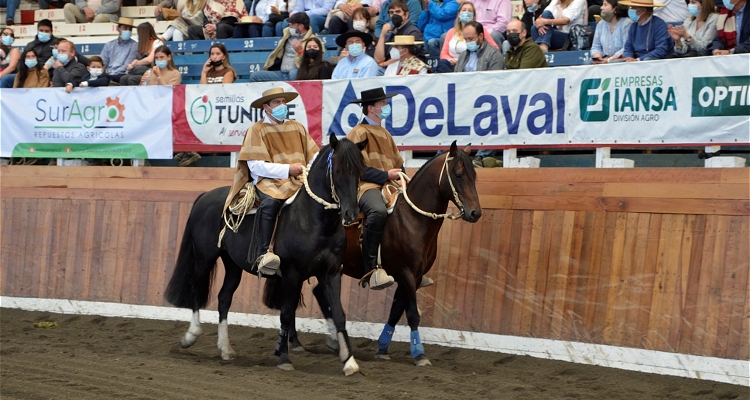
459	203
326	205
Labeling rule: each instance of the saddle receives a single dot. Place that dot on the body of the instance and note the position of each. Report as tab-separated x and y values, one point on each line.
244	203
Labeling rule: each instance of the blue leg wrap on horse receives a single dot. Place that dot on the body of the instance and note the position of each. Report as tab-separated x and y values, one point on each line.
385	337
415	345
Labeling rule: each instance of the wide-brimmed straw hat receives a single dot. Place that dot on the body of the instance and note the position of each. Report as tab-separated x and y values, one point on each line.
126	21
248	20
641	3
373	95
273	93
342	38
403	40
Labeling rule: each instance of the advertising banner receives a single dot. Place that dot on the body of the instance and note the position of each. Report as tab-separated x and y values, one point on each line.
644	103
92	123
216	117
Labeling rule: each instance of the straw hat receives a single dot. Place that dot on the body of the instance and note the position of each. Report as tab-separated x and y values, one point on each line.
273	93
126	21
641	3
247	20
403	40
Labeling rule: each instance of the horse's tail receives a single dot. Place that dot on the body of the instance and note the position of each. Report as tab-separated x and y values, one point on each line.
274	293
190	284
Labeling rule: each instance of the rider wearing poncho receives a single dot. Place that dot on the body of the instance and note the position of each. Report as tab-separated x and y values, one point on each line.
273	154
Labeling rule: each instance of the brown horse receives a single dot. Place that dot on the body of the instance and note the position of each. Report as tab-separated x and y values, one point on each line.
409	245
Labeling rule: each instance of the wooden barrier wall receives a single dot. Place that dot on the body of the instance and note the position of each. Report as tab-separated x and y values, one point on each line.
646	258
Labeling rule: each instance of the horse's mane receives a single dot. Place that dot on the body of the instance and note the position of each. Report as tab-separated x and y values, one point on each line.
462	157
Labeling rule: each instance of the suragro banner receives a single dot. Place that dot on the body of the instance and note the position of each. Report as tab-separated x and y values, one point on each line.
87	123
216	117
705	101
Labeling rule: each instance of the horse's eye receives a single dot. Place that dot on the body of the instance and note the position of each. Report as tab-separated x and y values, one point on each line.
458	176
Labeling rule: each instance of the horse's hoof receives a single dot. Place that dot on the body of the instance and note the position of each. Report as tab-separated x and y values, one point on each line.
188	339
228	355
332	344
351	367
382	356
286	367
422	361
298	349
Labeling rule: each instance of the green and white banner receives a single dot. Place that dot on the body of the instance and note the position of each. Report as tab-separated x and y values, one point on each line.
109	122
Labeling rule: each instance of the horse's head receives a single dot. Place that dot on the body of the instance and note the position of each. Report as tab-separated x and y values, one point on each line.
460	185
347	165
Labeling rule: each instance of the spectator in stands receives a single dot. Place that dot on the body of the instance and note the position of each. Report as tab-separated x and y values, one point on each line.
480	56
733	29
191	14
278	17
355	64
10	58
400	25
313	66
44	4
402	50
219	18
121	52
648	38
10	10
30	72
148	42
83	11
533	9
674	12
384	17
454	43
217	68
67	71
43	41
360	21
494	16
316	10
698	31
611	33
435	21
341	19
524	53
164	72
96	76
551	30
284	60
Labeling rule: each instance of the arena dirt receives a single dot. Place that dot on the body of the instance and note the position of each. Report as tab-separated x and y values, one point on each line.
89	357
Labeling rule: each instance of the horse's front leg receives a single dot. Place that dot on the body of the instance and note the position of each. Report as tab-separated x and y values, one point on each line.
333	294
320	294
412	317
287	315
232	278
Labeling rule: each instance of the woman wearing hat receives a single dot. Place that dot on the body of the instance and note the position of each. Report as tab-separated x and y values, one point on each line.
648	38
272	155
403	50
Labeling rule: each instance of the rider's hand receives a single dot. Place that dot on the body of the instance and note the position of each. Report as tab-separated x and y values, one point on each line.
393	174
295	169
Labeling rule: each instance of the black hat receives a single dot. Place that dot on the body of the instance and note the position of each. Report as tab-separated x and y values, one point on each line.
373	95
341	40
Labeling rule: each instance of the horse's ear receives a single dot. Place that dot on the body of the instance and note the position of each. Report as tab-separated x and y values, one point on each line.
333	141
467	149
362	145
453	150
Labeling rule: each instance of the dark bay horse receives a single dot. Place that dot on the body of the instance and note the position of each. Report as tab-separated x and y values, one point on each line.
310	240
409	244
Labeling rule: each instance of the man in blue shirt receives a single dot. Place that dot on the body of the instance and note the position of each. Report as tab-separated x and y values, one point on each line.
120	52
648	38
355	64
317	10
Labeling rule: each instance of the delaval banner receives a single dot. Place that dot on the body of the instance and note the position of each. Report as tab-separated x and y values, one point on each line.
697	102
216	117
104	122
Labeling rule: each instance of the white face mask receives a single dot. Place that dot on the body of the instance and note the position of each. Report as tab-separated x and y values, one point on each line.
95	72
395	54
360	26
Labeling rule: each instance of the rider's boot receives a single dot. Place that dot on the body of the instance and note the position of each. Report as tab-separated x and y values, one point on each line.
378	278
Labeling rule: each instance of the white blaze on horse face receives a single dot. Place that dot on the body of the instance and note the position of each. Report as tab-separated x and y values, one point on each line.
193	332
227	353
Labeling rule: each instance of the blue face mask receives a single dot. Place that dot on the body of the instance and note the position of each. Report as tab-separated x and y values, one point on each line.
532	7
728	5
633	15
30	63
472	46
63	58
280	112
355	49
466	16
125	35
7	40
162	64
385	111
44	37
693	10
54	53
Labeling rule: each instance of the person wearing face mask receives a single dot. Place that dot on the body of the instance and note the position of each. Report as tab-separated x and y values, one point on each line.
43	41
30	72
273	154
313	66
697	32
355	63
96	77
401	25
479	55
283	62
9	59
648	38
732	29
454	43
532	9
524	53
360	17
121	52
611	33
384	17
407	63
435	21
67	71
217	68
